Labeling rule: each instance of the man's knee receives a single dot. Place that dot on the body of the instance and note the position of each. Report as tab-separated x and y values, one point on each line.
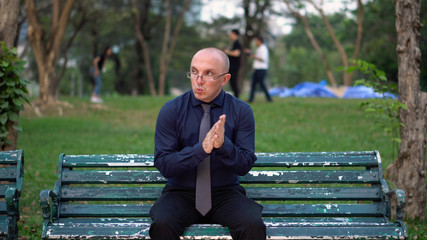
250	229
164	229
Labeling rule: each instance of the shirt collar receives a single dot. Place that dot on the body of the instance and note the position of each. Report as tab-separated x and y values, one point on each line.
218	101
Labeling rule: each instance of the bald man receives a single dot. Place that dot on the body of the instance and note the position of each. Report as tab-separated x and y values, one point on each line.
229	144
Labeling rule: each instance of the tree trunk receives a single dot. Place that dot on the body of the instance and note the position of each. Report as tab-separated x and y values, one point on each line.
408	171
48	92
9	11
47	51
12	137
143	44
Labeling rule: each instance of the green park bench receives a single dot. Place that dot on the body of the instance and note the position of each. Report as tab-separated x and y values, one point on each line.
11	179
328	195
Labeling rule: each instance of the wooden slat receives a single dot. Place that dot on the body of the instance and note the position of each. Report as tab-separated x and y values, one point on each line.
335	232
116	176
314	193
8	173
105	210
323	210
313	176
118	160
10	157
153	176
3	226
257	193
113	193
4	187
316	159
269	221
3	209
270	210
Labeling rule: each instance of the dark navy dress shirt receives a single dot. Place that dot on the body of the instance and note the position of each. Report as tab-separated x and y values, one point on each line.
178	150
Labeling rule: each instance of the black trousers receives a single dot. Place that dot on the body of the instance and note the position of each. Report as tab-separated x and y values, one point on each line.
175	210
258	77
234	81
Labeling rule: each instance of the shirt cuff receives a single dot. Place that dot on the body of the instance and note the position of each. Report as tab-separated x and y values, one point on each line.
199	151
226	149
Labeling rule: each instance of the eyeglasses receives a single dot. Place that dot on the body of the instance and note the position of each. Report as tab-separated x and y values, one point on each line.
207	78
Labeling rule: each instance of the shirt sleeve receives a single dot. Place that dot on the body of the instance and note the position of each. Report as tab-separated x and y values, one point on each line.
239	154
169	159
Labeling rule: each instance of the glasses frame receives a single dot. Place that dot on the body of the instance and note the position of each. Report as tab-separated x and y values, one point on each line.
190	75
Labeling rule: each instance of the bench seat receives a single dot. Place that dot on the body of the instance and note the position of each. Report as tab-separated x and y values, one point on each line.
330	195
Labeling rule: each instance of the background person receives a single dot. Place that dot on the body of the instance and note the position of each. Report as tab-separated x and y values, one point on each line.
95	72
230	144
260	66
234	56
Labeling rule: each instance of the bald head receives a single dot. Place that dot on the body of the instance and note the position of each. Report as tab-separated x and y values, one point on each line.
214	53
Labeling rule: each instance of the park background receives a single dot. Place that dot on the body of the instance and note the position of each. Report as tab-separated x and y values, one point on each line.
125	122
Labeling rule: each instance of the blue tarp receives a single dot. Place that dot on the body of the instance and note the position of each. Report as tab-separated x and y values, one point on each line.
365	92
305	89
311	89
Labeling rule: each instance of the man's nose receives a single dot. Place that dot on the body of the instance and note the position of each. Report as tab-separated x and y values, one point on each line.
199	80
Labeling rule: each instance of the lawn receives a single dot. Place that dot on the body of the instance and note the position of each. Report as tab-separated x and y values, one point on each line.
126	125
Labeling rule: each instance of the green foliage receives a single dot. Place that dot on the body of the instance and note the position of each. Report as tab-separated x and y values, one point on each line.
13	92
386	110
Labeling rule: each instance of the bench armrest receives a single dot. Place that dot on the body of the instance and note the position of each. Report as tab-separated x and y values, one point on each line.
49	204
12	201
401	202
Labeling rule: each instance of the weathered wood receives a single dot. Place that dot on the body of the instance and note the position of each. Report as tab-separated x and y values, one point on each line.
11	179
265	176
334	195
257	193
270	210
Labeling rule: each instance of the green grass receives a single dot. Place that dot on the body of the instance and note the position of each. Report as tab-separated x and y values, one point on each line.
126	125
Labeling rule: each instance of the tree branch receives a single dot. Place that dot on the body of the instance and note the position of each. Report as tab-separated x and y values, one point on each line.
313	41
79	26
176	32
62	24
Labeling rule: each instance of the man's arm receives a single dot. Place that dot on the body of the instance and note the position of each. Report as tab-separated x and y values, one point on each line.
169	159
239	155
95	65
233	53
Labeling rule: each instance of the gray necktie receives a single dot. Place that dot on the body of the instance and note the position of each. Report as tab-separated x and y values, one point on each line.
203	181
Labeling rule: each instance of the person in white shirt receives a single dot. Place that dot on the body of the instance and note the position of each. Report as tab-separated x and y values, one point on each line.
260	66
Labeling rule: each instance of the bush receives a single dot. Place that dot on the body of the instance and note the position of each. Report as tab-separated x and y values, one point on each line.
13	92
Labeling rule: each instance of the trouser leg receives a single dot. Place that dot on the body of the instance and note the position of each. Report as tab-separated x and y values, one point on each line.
172	213
243	216
253	85
234	81
262	74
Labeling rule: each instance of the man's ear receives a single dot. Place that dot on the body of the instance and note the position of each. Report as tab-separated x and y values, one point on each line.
226	79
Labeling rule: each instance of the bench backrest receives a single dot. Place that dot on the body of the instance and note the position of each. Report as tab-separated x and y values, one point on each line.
328	184
11	174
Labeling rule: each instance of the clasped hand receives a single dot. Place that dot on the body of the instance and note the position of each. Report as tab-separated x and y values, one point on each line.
215	137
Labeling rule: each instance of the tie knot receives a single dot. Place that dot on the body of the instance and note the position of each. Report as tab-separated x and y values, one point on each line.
206	107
